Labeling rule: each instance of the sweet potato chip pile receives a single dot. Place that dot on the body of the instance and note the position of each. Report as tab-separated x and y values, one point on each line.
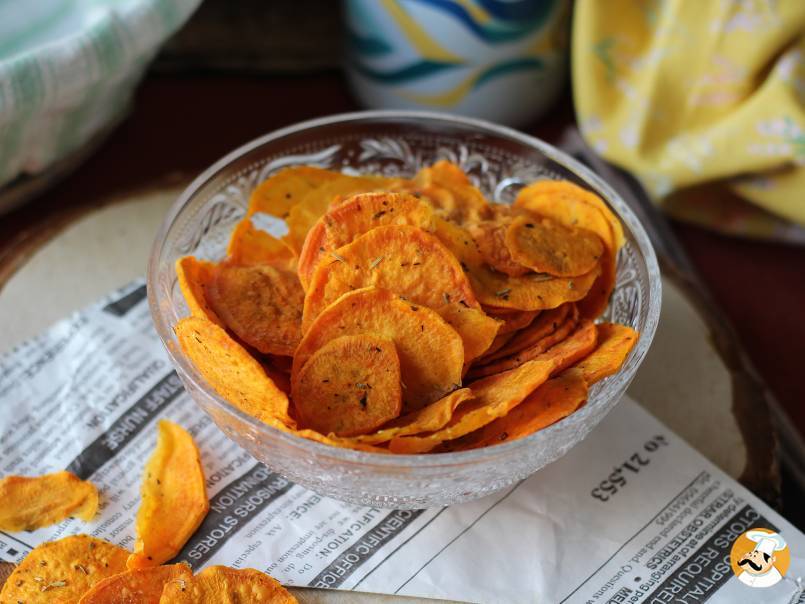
85	570
408	315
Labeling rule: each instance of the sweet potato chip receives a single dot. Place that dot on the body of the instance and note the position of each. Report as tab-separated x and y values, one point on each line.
498	394
231	371
554	400
194	277
547	322
547	246
286	188
553	326
477	329
173	498
355	216
224	585
614	344
431	352
29	503
62	571
497	344
448	189
262	305
574	206
429	418
313	206
490	237
402	259
568	193
139	586
349	386
250	245
492	288
513	319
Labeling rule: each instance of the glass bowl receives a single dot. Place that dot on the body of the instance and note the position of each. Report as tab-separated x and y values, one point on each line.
499	160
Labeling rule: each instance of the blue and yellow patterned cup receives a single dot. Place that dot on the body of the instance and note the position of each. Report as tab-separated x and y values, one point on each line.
501	60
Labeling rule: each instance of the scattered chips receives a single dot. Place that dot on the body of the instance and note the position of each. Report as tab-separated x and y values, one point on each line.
431	352
30	503
224	585
403	259
63	570
260	304
547	246
173	498
139	586
387	293
349	386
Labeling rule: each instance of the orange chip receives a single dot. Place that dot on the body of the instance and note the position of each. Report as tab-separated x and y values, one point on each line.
568	194
490	237
431	352
140	586
448	189
547	246
286	188
554	400
513	319
349	386
614	344
249	245
231	371
224	585
574	206
498	394
529	292
477	329
63	570
551	327
429	418
194	277
355	216
30	503
262	305
304	215
403	259
498	343
173	498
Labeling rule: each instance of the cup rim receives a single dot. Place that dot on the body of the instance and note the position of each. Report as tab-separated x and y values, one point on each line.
432	461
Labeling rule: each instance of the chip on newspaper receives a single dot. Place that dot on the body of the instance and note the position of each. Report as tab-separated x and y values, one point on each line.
408	315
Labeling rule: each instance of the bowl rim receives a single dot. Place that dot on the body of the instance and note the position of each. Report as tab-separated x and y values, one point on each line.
432	461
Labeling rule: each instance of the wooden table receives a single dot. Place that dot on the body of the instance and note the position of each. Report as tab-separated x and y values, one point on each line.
180	125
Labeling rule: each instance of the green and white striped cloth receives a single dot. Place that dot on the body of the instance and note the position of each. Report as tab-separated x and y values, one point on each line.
68	69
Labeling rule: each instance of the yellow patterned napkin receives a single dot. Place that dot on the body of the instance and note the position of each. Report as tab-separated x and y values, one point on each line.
687	92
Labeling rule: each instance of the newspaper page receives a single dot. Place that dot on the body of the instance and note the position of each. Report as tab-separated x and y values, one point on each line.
632	514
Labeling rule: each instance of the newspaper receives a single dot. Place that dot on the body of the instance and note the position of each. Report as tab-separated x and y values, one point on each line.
632	514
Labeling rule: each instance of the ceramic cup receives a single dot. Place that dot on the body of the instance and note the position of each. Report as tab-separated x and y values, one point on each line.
504	61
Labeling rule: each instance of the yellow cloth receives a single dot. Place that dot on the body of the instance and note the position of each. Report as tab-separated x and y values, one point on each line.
683	92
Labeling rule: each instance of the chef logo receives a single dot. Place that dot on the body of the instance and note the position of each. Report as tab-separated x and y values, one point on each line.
760	558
